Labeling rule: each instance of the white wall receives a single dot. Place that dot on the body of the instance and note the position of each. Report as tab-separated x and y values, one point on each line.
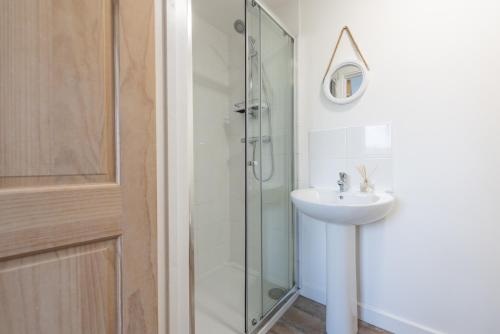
287	11
432	266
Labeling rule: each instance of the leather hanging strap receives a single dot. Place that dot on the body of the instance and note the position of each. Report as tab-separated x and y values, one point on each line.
358	51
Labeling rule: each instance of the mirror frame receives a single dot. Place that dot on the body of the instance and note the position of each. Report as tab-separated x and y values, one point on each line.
353	97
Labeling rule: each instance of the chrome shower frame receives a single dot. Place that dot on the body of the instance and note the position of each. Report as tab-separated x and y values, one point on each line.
273	315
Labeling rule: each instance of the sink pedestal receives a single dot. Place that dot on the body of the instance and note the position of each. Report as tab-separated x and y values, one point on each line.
342	212
341	291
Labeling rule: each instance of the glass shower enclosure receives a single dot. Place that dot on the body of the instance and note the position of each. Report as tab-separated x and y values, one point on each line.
242	225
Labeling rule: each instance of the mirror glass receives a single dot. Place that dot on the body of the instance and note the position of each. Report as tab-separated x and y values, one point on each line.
346	81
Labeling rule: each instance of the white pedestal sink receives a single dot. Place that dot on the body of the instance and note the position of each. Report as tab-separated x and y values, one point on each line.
342	212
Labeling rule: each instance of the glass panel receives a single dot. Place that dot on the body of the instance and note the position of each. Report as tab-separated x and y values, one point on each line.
243	165
218	207
253	148
277	161
270	248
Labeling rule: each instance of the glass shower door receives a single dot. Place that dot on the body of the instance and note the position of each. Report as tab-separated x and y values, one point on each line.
276	162
269	147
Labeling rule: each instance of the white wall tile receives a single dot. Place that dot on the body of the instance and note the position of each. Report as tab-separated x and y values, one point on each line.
369	145
325	172
369	141
327	144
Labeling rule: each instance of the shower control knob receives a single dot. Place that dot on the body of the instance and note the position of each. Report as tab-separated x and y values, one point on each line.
253	163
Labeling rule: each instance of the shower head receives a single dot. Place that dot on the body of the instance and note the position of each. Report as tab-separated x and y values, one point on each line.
239	26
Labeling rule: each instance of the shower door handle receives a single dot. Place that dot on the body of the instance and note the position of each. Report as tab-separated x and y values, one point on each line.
253	163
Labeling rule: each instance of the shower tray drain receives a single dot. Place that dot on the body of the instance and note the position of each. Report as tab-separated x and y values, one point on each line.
276	293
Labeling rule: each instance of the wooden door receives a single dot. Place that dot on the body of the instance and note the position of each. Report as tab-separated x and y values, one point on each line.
77	167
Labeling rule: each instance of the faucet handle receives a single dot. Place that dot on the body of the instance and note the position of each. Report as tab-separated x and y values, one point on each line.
342	182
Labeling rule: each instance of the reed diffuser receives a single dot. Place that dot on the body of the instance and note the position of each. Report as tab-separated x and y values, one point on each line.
365	186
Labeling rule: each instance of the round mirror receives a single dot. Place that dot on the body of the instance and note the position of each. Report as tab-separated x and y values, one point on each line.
345	82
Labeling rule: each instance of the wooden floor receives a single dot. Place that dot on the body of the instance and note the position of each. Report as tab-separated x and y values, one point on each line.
308	317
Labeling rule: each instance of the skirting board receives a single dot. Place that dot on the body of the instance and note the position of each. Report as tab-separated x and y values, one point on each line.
374	316
390	322
318	295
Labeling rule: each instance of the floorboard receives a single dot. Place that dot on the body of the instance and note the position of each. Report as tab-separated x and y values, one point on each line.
308	317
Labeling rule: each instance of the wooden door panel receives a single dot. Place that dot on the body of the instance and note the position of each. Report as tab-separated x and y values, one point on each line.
77	209
70	291
42	218
57	95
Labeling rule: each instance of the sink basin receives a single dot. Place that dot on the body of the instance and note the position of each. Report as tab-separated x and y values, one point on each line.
348	208
341	212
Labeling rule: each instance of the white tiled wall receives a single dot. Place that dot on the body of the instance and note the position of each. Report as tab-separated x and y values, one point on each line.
211	151
342	150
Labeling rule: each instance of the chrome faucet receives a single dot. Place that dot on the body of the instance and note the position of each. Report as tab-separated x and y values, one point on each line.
342	182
